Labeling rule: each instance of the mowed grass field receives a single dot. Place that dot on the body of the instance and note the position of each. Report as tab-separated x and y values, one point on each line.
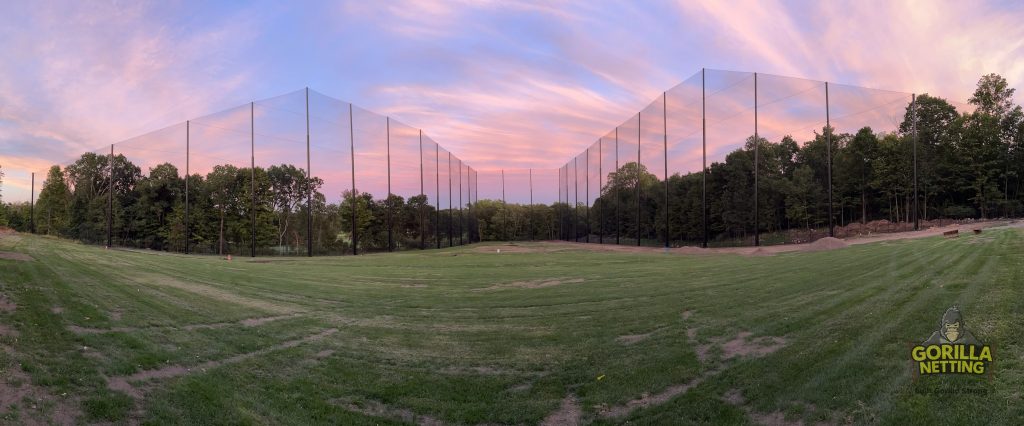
540	333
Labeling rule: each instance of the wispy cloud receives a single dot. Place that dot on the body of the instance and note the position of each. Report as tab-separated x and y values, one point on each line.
501	84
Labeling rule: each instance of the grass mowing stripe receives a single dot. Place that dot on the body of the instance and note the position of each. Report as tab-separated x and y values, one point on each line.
416	334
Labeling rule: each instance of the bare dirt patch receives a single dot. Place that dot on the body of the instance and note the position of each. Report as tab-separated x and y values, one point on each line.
735	398
57	310
378	409
414	286
124	383
630	339
648	400
6	305
6	331
740	346
686	314
522	387
743	345
775	418
15	256
567	414
18	394
254	322
538	283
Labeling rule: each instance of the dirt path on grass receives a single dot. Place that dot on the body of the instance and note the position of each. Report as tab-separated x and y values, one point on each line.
567	414
822	244
743	345
374	408
124	383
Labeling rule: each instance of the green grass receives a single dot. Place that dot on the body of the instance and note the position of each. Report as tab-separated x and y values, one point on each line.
441	334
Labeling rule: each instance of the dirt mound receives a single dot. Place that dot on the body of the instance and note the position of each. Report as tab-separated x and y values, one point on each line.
510	248
827	243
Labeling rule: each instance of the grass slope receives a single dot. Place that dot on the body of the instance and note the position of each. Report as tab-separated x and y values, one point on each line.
468	336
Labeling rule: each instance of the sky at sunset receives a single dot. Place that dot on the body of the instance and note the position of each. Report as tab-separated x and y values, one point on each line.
499	84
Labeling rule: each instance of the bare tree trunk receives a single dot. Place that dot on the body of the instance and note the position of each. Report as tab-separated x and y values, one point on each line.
924	206
907	209
220	251
282	227
863	207
896	206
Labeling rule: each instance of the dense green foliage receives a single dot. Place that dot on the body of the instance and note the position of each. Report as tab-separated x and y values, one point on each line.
968	166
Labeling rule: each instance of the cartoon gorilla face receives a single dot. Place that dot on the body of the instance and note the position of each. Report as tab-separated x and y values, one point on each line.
951	331
952	325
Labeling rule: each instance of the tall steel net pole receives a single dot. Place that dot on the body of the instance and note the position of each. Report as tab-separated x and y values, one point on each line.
586	198
32	206
828	153
757	143
639	176
504	207
576	199
913	124
252	175
600	191
355	195
462	229
309	187
110	199
664	133
618	222
188	229
437	195
450	240
529	215
423	208
704	159
391	226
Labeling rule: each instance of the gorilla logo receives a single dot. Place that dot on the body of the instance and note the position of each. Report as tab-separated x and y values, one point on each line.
952	330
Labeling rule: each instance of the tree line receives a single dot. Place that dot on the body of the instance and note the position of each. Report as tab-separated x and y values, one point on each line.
968	165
